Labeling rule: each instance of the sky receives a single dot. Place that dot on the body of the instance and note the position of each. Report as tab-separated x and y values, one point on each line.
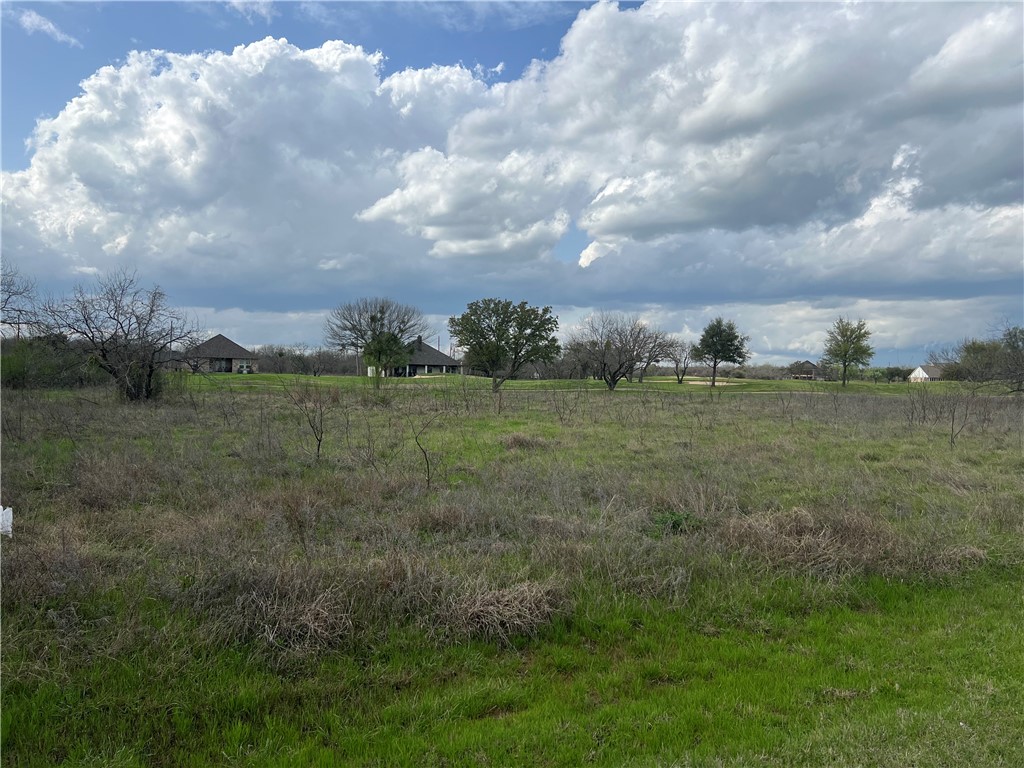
776	164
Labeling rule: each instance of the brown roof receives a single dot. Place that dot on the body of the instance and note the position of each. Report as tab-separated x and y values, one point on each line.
221	346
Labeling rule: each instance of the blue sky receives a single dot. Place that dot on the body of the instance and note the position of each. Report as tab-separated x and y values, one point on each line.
778	164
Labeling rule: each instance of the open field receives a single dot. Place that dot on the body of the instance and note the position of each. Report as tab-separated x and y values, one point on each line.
273	571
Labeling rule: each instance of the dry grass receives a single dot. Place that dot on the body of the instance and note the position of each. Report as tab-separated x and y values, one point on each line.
501	615
214	504
518	441
293	606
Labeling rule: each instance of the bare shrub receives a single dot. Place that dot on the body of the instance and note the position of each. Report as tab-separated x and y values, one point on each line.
501	615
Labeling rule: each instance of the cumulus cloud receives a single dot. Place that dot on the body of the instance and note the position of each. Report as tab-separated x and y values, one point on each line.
33	22
772	160
674	117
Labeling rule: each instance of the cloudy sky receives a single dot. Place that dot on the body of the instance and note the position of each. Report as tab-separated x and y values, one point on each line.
778	164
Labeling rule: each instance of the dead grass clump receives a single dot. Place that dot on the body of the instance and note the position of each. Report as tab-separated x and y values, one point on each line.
819	544
501	615
938	562
518	441
446	518
399	586
292	607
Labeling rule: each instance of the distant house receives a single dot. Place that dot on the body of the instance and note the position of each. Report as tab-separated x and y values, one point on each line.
805	370
926	373
423	359
221	355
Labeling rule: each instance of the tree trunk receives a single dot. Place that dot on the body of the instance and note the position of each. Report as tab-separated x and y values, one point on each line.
714	373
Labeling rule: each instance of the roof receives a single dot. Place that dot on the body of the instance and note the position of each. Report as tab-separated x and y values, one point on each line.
424	354
807	365
221	346
932	371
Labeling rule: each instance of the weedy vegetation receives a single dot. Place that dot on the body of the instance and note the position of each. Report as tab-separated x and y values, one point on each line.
262	570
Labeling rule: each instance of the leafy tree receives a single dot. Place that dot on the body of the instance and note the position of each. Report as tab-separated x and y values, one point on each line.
371	327
982	361
385	352
1013	357
721	343
847	345
897	373
126	330
501	337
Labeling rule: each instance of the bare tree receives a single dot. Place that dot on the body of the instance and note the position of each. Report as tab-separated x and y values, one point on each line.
611	344
654	347
129	331
18	297
680	352
377	328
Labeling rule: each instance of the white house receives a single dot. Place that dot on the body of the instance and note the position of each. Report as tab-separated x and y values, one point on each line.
926	373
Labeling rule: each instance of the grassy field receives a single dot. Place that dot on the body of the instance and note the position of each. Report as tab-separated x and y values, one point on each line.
265	570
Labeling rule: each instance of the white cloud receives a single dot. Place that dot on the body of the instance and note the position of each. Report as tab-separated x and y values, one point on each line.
32	22
751	159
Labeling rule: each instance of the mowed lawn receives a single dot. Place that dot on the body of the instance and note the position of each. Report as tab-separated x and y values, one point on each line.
656	576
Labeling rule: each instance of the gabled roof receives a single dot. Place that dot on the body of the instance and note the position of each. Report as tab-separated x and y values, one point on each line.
424	354
806	365
932	371
220	346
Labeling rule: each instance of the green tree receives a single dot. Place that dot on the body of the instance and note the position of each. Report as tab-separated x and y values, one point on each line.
847	345
385	352
721	343
501	337
1013	357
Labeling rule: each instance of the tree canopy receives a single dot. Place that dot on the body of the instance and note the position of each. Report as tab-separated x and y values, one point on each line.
501	337
846	345
981	361
721	343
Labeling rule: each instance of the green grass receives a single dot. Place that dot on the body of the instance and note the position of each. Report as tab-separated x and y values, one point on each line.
654	577
922	676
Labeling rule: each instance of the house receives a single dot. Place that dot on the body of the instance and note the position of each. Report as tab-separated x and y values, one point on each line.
423	359
805	370
926	373
221	355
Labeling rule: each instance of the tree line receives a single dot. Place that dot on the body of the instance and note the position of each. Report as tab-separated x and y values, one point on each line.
121	331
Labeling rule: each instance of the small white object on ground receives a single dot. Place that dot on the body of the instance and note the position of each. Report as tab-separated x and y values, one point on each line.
7	521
